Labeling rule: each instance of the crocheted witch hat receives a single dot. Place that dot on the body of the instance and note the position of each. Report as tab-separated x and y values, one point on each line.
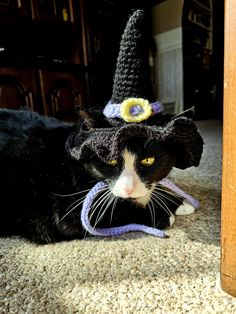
132	80
132	108
132	76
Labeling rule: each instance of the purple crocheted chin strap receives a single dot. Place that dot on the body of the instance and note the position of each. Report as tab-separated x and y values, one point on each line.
114	231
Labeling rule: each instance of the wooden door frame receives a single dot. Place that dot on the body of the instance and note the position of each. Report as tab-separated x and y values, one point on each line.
228	214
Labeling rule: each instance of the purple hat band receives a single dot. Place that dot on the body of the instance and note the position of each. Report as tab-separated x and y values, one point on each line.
113	110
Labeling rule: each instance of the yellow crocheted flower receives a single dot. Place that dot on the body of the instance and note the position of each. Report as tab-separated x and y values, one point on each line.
127	104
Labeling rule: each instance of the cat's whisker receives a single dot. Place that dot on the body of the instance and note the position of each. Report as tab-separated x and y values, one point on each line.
100	205
165	206
104	201
113	208
152	212
160	203
77	202
72	194
95	206
112	199
163	201
104	193
169	198
172	193
98	202
108	200
71	210
148	144
101	213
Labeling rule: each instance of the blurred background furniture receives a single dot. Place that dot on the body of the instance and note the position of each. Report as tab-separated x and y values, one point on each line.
41	56
57	56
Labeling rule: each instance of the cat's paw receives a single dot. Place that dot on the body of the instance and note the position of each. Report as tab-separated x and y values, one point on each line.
171	220
185	209
165	222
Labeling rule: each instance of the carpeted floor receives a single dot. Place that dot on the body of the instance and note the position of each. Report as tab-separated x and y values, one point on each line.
135	273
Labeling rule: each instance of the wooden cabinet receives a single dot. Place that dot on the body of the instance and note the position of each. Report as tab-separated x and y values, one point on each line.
203	44
51	9
42	58
53	93
62	94
13	7
60	54
17	88
199	83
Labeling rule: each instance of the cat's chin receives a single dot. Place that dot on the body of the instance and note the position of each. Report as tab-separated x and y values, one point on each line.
142	200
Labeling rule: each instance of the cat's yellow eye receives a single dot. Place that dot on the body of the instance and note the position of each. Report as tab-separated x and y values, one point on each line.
112	162
147	162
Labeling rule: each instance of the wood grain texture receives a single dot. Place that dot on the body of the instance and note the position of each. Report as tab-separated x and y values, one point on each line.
228	229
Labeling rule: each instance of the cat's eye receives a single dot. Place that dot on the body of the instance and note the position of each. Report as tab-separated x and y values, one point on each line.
147	162
112	162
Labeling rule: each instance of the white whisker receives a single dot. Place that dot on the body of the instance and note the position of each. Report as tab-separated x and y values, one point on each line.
109	200
169	198
77	201
159	188
113	208
160	203
71	210
101	204
152	212
72	194
163	201
98	202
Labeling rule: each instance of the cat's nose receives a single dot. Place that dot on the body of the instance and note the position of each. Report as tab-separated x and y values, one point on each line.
129	190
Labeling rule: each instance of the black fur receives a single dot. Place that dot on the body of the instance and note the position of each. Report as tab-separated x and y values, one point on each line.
35	168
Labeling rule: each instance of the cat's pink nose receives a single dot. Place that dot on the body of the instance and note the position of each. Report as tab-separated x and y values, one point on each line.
129	190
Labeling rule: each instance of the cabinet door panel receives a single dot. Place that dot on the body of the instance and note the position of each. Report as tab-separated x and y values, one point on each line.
17	88
62	94
61	11
13	8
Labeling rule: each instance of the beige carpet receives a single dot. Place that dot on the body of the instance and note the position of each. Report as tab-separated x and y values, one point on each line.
135	273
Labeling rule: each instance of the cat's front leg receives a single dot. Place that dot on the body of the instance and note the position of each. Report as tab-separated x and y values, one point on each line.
167	220
41	230
185	209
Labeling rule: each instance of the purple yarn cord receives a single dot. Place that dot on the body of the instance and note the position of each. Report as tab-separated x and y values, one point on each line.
114	231
170	185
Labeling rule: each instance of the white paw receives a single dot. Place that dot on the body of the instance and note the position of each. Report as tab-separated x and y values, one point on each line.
185	209
172	220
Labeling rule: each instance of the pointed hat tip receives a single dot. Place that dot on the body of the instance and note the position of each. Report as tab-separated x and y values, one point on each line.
132	77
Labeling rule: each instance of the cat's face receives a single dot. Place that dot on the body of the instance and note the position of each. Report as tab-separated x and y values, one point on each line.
136	172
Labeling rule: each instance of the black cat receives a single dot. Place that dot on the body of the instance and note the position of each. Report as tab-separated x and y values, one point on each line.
43	184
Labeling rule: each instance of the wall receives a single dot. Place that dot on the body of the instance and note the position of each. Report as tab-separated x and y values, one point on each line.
167	15
167	32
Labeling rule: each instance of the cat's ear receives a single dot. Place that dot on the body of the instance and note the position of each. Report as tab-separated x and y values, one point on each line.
87	119
186	141
93	119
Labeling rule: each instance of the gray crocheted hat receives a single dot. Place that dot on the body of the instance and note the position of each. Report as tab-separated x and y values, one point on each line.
132	111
